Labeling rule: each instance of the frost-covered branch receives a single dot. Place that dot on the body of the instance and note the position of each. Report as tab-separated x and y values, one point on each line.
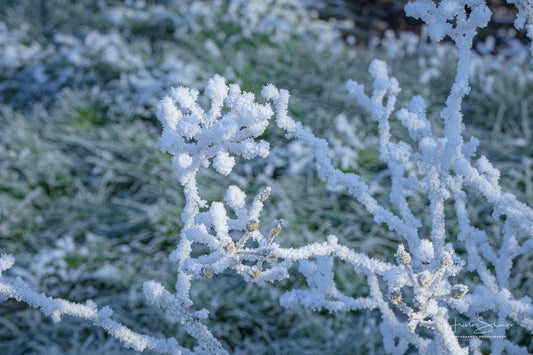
439	167
57	307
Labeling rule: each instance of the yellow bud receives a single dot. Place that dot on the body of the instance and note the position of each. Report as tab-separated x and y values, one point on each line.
275	231
252	226
264	195
229	246
412	326
206	272
395	296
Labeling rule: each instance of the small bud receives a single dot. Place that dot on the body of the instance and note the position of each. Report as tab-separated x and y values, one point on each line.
272	257
264	195
395	296
275	231
229	246
277	228
424	278
402	256
252	226
206	272
411	326
254	274
458	291
446	260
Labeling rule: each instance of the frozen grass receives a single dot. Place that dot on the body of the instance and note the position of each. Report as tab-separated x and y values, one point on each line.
91	209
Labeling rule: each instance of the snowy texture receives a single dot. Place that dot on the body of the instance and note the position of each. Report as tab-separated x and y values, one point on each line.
423	167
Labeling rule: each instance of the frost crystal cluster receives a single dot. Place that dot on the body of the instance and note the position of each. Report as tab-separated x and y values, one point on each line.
416	294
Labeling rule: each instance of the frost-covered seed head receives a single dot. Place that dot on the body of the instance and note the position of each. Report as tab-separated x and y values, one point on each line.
167	113
223	163
270	92
235	197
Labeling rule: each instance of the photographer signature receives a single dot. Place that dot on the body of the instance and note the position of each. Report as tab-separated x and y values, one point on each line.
480	325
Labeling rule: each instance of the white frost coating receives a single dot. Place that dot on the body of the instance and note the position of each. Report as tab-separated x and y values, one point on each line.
432	262
6	262
167	113
223	163
182	161
55	308
424	252
235	197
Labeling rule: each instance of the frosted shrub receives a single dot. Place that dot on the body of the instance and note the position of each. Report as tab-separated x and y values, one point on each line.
419	291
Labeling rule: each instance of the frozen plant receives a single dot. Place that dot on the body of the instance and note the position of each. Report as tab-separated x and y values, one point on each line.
439	167
417	293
